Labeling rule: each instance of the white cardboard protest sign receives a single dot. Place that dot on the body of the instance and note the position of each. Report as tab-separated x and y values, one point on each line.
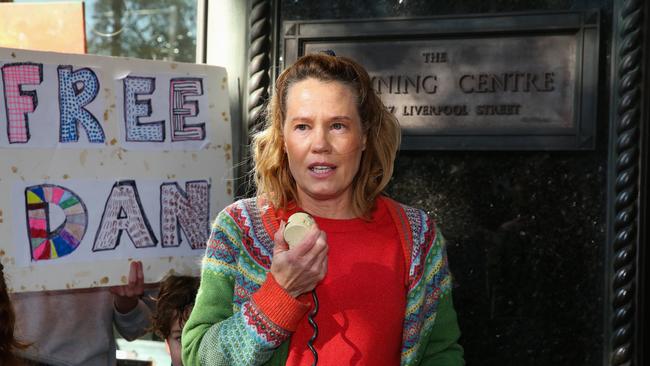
108	160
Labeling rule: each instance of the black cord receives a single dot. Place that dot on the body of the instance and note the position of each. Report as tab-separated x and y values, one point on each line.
311	321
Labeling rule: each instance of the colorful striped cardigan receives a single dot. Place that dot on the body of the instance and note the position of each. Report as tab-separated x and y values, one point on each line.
227	328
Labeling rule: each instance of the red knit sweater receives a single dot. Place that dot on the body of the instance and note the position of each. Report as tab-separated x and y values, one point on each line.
361	299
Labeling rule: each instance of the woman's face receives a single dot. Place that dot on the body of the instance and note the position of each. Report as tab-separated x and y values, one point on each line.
323	138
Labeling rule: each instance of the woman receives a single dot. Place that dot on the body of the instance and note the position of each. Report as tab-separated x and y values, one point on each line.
379	268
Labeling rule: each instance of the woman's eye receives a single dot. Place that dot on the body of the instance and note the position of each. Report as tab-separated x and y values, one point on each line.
338	126
301	127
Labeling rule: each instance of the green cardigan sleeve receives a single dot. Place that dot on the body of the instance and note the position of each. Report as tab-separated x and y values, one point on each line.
215	334
442	348
439	344
219	332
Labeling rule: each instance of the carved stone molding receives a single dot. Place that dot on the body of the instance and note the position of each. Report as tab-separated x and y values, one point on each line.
259	61
627	113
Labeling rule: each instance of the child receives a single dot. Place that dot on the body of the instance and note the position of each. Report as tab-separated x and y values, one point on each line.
173	306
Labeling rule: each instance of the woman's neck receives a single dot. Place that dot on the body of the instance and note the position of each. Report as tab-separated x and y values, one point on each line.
333	208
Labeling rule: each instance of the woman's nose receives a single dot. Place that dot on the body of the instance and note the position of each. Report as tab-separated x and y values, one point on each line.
320	141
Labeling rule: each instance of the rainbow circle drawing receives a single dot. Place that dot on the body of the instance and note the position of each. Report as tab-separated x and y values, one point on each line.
45	243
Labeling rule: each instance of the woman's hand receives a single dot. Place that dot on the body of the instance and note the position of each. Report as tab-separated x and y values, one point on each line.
300	269
126	297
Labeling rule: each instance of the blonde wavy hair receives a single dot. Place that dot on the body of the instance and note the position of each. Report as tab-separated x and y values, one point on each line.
271	166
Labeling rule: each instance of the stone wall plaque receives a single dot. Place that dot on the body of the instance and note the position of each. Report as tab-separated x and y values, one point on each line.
506	82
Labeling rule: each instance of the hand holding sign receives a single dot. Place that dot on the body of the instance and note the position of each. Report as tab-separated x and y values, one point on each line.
126	297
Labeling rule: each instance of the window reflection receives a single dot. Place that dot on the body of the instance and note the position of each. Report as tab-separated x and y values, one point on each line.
149	29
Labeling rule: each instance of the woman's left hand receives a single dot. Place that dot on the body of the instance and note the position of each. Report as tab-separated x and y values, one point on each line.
126	297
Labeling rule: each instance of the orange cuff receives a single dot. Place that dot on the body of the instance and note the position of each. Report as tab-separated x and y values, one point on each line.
280	307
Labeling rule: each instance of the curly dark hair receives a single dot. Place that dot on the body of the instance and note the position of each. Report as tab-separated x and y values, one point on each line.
174	301
8	342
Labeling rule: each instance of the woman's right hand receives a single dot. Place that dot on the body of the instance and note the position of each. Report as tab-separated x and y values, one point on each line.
300	269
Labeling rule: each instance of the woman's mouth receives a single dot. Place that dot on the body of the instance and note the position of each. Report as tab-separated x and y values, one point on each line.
321	168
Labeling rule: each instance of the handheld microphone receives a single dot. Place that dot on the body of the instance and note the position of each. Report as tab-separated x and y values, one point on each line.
298	225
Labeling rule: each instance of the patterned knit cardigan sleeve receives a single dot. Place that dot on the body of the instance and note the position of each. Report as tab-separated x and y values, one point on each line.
241	315
431	333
